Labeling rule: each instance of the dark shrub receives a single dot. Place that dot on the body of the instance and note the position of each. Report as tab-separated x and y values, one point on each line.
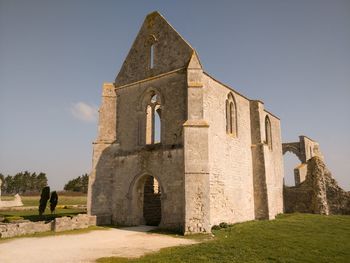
45	196
215	227
223	225
53	201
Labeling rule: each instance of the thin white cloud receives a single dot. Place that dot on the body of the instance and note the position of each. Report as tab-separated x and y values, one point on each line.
84	112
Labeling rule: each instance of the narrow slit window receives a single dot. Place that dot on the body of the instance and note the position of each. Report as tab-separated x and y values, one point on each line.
231	115
232	119
268	132
152	57
228	119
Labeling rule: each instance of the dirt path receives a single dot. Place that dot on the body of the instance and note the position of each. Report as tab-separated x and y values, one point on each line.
87	247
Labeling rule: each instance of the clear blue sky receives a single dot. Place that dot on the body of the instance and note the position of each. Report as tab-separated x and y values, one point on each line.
54	56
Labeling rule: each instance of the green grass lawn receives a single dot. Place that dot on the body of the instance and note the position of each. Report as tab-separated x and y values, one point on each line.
62	200
33	215
290	238
62	208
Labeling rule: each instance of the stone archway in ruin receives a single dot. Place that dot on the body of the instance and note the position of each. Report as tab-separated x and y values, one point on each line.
145	200
299	170
291	164
293	147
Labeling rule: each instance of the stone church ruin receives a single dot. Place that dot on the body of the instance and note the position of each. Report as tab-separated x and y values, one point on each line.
315	190
179	149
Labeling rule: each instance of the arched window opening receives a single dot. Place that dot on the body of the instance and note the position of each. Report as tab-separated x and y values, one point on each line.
149	125
228	119
291	164
231	115
232	118
152	57
153	120
157	126
154	98
268	134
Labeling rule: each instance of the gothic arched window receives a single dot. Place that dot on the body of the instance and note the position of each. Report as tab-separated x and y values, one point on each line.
268	133
231	115
153	119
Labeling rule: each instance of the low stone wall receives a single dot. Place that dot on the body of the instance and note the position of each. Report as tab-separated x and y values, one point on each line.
59	224
298	199
78	222
23	228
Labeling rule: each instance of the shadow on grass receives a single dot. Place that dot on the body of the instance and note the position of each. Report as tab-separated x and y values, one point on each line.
49	217
36	218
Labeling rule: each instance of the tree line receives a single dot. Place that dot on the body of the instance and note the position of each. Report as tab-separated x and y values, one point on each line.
23	182
79	184
26	182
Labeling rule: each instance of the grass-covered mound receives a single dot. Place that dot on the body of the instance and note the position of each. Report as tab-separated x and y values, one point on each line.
290	238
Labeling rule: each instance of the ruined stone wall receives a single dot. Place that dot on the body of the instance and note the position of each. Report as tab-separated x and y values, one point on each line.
267	163
196	153
305	149
197	200
98	201
300	173
273	166
132	159
297	199
26	227
230	159
100	182
319	193
130	117
76	222
23	228
118	164
309	148
206	175
171	51
127	199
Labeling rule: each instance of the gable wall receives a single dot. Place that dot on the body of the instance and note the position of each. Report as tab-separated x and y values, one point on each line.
165	161
170	51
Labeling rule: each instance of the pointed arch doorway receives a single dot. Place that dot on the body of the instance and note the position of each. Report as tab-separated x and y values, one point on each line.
146	194
152	209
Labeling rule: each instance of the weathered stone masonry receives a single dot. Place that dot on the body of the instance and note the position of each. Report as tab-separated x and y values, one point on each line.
319	193
219	155
26	227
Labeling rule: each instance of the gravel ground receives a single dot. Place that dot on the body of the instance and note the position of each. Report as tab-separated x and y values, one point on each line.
87	247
